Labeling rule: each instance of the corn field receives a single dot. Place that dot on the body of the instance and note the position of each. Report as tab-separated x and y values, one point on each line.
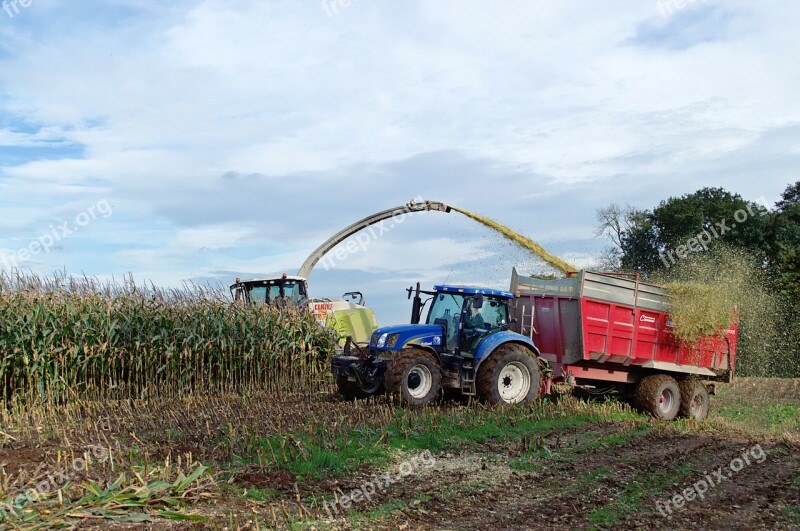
64	338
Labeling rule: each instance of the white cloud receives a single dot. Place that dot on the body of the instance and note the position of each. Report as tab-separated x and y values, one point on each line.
532	113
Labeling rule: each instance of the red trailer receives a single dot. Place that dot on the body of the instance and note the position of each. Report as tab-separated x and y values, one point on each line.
604	331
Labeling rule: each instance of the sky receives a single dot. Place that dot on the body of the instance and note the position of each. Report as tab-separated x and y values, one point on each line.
199	141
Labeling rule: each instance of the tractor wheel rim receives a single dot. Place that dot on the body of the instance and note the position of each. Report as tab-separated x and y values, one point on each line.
419	381
665	401
514	382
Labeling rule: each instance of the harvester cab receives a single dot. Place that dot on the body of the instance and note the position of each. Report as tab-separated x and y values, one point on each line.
284	290
346	316
464	344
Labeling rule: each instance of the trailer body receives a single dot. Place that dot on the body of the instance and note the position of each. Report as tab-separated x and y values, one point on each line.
609	328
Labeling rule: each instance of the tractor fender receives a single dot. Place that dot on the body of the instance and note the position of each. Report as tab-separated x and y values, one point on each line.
424	348
494	341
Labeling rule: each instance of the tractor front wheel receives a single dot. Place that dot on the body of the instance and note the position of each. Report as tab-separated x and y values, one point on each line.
659	395
414	377
509	376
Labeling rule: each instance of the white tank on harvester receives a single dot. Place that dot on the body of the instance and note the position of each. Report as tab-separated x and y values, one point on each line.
346	315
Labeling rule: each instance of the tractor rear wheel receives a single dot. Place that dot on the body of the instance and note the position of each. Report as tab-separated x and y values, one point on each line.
509	376
659	395
355	391
694	400
414	377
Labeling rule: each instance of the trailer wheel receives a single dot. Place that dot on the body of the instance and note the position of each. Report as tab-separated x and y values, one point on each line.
659	395
414	377
694	400
509	376
353	391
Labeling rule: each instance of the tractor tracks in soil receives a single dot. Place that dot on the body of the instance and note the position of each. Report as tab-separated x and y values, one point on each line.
605	476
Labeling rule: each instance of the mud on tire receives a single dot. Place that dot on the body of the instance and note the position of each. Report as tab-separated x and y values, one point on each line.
510	376
414	377
694	399
659	395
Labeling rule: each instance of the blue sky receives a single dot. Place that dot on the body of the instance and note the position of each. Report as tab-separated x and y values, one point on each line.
230	138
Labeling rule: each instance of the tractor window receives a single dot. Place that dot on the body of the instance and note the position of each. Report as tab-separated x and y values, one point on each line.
480	322
448	307
494	313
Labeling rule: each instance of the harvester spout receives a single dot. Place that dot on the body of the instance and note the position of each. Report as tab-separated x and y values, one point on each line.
322	250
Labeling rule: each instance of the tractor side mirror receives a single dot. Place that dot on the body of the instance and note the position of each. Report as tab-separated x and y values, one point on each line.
477	301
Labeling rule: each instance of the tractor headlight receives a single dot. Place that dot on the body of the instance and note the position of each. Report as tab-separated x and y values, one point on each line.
382	340
392	340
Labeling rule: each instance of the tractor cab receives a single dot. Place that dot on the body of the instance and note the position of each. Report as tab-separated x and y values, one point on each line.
467	316
458	321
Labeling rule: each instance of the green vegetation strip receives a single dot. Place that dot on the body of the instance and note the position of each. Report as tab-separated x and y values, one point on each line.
126	500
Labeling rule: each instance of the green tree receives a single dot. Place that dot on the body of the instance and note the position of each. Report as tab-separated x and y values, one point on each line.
651	240
785	253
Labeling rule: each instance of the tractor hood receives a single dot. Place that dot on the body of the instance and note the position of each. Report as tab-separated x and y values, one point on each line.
397	337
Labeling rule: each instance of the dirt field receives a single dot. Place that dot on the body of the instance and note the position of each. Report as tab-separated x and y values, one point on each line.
286	463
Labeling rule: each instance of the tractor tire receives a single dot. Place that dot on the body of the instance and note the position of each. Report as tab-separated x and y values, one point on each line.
694	400
354	391
659	395
414	377
509	376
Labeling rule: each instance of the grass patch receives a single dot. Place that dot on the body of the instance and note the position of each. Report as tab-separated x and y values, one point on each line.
433	430
252	493
316	462
466	432
761	417
541	457
629	501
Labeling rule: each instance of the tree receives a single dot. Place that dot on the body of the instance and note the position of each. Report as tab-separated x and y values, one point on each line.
620	224
649	241
790	197
713	216
785	254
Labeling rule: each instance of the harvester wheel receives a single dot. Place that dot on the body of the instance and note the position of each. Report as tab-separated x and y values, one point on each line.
354	391
694	399
509	376
414	377
659	395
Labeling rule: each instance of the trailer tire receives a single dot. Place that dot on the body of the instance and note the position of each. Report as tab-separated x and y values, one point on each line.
694	400
509	376
414	377
354	391
659	395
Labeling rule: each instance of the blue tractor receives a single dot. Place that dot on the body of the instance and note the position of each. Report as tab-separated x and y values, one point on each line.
465	345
